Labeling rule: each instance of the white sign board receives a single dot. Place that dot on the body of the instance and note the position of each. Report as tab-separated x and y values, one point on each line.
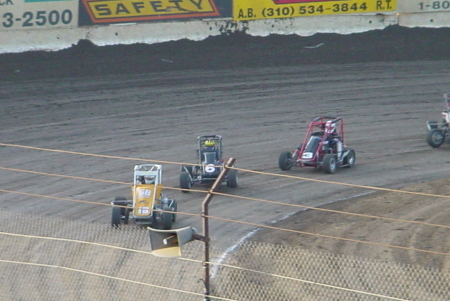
421	6
38	14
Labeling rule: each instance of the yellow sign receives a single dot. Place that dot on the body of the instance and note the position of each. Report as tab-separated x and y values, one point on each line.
144	10
271	9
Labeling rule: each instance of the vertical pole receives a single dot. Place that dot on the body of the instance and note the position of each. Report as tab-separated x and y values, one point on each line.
204	215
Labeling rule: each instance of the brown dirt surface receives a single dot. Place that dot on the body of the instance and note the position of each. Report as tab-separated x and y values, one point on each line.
150	102
394	226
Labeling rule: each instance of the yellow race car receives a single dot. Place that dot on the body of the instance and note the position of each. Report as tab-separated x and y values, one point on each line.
148	206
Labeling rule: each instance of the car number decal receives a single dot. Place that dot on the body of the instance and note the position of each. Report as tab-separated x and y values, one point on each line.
144	210
307	155
145	193
210	168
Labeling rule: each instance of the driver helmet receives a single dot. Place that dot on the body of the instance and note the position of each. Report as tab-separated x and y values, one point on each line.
149	179
210	143
331	127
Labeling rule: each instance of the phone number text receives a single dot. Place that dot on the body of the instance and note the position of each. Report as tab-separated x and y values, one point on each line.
320	8
434	5
37	19
314	9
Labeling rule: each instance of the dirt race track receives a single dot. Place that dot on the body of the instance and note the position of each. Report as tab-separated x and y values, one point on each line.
151	102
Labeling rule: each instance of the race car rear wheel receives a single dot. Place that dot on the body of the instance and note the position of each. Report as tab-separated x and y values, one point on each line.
285	161
329	163
350	159
166	218
116	217
174	209
185	181
435	137
126	219
232	178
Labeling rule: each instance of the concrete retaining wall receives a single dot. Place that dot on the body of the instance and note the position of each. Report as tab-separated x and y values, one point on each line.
37	25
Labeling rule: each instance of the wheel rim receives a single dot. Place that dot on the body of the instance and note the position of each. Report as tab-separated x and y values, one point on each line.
333	165
437	137
288	161
351	159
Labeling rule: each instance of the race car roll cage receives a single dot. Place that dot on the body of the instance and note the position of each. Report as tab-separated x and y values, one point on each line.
209	165
209	156
209	159
318	143
147	200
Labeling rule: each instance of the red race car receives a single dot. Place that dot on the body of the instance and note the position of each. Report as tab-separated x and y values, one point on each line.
322	148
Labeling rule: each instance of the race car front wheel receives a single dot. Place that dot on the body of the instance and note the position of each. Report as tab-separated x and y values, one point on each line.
185	182
435	137
115	217
285	161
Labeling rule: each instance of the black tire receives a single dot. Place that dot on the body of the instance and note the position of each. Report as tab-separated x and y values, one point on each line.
166	219
185	182
285	161
127	217
329	163
435	137
188	167
350	159
116	217
175	209
120	201
233	178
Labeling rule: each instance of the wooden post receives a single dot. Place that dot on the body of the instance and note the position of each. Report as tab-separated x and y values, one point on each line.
204	215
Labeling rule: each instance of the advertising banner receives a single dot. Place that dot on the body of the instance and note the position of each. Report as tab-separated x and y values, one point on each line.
271	9
132	11
419	6
38	14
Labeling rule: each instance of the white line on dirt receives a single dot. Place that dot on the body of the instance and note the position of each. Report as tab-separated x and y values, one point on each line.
231	249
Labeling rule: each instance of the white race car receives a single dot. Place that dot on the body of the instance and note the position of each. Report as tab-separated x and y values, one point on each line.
437	132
